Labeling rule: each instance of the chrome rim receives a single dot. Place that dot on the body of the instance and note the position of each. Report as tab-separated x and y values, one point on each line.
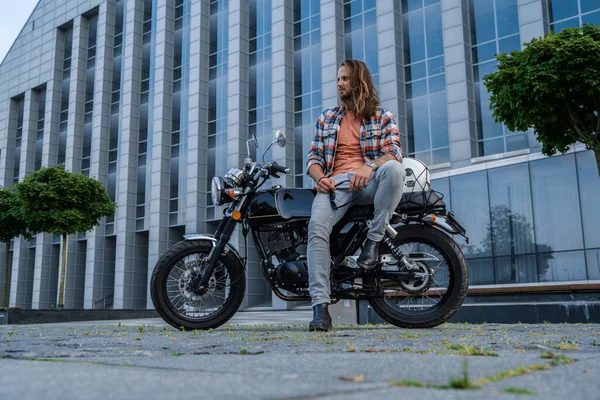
189	304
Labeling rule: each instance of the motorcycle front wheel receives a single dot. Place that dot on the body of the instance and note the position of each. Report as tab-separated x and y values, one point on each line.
438	285
171	292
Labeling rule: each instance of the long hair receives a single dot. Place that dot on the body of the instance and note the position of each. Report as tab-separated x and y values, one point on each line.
365	100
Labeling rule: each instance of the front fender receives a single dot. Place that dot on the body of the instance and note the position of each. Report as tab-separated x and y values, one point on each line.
213	240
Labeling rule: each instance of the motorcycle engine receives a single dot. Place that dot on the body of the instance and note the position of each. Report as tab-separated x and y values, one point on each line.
293	273
286	244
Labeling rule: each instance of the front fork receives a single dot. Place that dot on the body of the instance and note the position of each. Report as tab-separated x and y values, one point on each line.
223	235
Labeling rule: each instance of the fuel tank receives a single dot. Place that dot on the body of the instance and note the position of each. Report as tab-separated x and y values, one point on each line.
280	205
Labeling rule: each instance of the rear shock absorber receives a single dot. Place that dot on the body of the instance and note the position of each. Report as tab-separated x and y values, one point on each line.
391	233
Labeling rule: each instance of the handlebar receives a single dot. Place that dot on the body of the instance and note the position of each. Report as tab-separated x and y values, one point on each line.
274	168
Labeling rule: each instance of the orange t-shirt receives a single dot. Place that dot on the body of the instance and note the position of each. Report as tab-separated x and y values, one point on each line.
348	156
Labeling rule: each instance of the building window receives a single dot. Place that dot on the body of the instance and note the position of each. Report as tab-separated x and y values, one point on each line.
177	129
145	122
67	37
360	28
260	72
88	111
40	97
427	109
17	111
573	13
307	81
494	30
115	102
217	109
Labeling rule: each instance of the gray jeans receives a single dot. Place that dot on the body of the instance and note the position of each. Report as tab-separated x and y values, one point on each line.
390	178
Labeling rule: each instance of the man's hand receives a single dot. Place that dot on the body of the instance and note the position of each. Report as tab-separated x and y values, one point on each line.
325	185
361	178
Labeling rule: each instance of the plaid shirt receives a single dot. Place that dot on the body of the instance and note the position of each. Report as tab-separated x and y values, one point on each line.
378	135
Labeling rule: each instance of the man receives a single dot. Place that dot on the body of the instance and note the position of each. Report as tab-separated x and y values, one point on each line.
356	144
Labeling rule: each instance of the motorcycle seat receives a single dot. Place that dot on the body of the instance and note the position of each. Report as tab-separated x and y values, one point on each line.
411	203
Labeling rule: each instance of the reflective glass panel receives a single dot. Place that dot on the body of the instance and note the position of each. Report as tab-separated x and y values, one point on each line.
516	269
589	5
471	206
433	23
593	264
562	9
484	52
415	35
483	20
420	118
570	23
439	119
589	195
507	17
443	185
593	18
511	213
410	5
437	84
435	66
481	271
509	44
562	266
556	203
517	142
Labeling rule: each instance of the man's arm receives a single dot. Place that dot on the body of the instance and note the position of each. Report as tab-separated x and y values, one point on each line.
390	146
316	152
324	184
315	171
379	161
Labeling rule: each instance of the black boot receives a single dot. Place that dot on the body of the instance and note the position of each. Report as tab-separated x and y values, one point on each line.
321	319
369	256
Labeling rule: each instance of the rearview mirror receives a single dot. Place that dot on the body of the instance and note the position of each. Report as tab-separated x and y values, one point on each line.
280	138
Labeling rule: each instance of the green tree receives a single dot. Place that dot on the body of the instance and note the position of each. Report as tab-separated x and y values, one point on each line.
12	225
64	203
552	86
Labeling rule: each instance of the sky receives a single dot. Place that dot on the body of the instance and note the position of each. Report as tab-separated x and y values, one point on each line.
13	15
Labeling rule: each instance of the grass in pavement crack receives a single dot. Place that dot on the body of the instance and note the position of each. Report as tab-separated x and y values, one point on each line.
464	382
511	373
468	350
517	390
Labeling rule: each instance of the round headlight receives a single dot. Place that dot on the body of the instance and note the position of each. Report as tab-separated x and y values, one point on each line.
216	190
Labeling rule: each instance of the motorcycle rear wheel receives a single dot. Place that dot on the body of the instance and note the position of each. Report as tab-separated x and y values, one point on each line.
171	292
437	301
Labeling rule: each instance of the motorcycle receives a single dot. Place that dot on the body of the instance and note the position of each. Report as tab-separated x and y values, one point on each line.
420	281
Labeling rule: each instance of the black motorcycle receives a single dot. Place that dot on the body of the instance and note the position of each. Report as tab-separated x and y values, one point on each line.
420	281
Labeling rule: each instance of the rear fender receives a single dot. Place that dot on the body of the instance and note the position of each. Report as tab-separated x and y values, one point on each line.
447	223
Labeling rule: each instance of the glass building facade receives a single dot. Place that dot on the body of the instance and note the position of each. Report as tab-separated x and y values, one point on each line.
307	81
426	103
494	30
154	97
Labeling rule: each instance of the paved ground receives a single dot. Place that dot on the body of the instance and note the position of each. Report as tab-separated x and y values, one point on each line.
270	355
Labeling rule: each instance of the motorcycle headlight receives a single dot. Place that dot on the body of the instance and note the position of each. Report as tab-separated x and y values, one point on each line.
217	191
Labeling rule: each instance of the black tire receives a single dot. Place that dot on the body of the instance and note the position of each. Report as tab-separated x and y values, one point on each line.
450	301
228	267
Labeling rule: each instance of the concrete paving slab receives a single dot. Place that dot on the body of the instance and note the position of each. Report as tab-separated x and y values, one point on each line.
302	316
262	356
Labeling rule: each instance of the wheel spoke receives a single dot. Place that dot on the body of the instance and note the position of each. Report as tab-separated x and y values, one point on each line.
186	302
